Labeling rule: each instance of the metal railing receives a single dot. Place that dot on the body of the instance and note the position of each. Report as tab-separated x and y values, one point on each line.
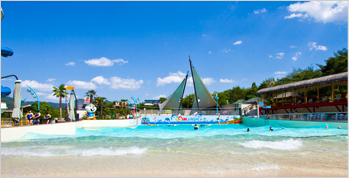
324	116
189	112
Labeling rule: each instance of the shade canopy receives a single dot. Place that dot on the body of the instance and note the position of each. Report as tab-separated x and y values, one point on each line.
5	52
5	91
17	95
255	100
204	97
72	107
174	100
240	101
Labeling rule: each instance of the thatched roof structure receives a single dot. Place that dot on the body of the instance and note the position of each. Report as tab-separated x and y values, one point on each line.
305	83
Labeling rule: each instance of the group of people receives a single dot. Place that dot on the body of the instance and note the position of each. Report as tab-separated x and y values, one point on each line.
35	119
270	129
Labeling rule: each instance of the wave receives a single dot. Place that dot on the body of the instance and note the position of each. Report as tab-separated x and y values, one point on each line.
289	144
262	167
74	152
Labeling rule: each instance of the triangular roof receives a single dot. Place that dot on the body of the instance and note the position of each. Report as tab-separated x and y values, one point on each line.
204	97
174	100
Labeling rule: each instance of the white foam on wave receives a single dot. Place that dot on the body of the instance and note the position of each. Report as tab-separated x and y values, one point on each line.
289	144
262	167
74	152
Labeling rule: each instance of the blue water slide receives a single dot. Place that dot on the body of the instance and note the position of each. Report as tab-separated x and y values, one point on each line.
5	52
5	91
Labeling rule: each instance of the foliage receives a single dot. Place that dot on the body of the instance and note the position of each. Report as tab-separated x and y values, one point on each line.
162	99
336	64
60	92
188	101
91	93
100	102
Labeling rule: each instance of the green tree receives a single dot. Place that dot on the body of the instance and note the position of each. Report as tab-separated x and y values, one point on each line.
188	101
337	64
44	108
162	99
90	93
99	102
60	93
251	92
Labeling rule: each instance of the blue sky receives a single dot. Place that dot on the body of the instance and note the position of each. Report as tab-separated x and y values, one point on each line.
121	49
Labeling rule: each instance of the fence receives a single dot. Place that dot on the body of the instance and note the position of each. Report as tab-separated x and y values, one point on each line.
189	112
325	116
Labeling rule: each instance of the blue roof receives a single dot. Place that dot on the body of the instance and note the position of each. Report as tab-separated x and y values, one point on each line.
5	91
5	52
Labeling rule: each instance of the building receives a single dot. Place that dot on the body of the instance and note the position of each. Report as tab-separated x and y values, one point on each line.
291	101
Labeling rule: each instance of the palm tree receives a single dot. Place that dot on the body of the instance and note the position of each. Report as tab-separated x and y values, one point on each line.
60	93
91	93
99	103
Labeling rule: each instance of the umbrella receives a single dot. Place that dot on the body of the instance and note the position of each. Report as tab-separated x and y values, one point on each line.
240	101
255	100
5	91
17	94
5	52
72	106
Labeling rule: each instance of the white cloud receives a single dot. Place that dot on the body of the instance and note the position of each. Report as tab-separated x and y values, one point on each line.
158	97
70	64
296	56
104	62
279	55
81	84
132	84
226	50
270	56
226	80
260	11
313	45
293	15
172	78
203	35
244	79
279	73
238	42
210	52
101	80
40	93
320	11
293	46
37	86
51	97
51	79
208	81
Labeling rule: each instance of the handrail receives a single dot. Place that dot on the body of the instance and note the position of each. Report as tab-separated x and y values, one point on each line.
7	76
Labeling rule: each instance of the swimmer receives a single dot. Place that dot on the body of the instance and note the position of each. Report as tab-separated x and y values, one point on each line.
339	127
283	127
326	127
248	129
196	127
271	129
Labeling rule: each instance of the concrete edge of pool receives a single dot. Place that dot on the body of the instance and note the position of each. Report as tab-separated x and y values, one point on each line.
68	128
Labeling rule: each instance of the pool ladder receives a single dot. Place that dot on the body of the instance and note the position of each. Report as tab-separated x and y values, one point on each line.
266	121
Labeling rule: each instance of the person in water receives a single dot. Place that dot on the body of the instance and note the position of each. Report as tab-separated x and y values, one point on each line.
37	117
196	127
30	117
47	118
271	129
248	129
283	127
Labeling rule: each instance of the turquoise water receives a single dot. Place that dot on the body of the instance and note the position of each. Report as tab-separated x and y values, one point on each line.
232	139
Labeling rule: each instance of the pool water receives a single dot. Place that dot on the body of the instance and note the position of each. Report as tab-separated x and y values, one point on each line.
216	147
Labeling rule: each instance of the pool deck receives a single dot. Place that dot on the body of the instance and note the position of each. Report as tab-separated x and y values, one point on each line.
68	128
